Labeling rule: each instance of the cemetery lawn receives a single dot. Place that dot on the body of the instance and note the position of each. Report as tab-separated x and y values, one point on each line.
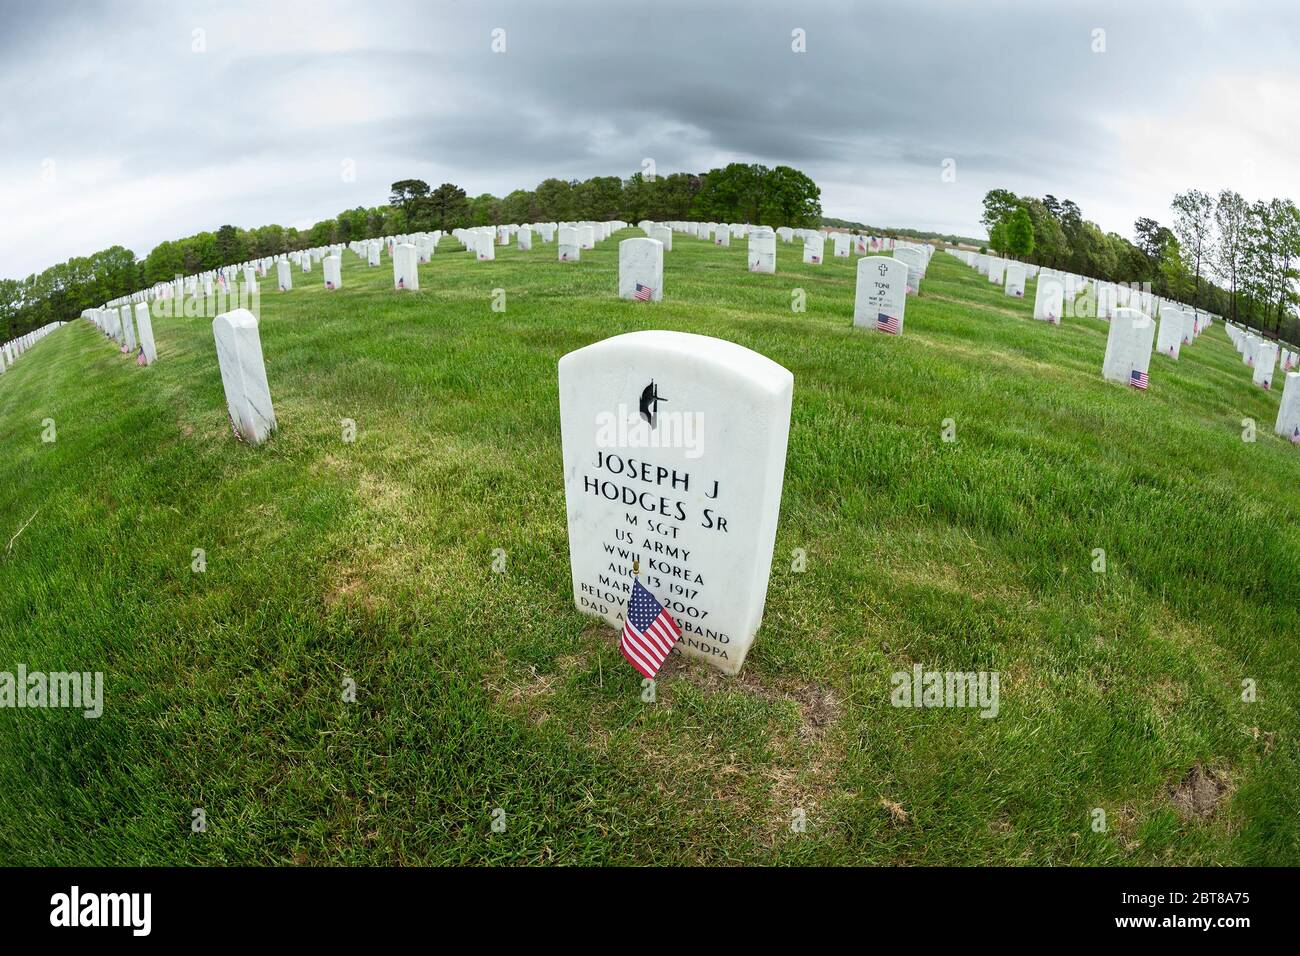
373	560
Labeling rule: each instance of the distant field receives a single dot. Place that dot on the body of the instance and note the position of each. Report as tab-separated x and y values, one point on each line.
372	560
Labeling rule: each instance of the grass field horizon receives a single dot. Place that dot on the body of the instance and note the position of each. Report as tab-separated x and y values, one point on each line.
372	560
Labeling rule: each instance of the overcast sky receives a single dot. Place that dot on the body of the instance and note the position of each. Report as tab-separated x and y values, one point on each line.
121	124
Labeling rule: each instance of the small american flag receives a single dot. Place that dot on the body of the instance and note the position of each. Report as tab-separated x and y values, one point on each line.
1295	436
642	293
328	284
887	323
648	632
401	283
1138	379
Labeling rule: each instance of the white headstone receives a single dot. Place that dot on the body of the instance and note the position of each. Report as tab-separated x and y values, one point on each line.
881	296
1288	413
842	240
1107	300
129	344
1128	348
144	325
333	267
569	249
524	238
641	270
114	329
406	272
1015	280
1265	363
914	259
674	457
283	276
243	374
1049	299
814	249
762	250
1170	336
663	234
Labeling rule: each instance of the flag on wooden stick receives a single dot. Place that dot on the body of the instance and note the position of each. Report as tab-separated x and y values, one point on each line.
649	633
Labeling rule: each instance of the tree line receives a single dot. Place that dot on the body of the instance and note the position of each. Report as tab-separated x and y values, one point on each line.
739	192
1220	253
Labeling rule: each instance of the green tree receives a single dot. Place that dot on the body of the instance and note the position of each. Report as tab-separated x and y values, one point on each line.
1020	234
1049	239
674	196
230	248
1193	225
1175	278
352	224
638	197
323	233
164	262
1271	250
485	210
999	205
735	193
519	207
409	196
1231	215
599	198
790	198
449	207
555	202
998	238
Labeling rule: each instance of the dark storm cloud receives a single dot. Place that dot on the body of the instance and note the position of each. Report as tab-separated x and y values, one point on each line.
150	139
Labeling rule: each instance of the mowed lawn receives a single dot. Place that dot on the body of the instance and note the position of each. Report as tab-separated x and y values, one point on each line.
480	692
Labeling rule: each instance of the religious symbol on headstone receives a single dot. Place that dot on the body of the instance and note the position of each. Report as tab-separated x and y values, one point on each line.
650	399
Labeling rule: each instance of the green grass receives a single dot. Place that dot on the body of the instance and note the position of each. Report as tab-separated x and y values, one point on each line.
373	561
